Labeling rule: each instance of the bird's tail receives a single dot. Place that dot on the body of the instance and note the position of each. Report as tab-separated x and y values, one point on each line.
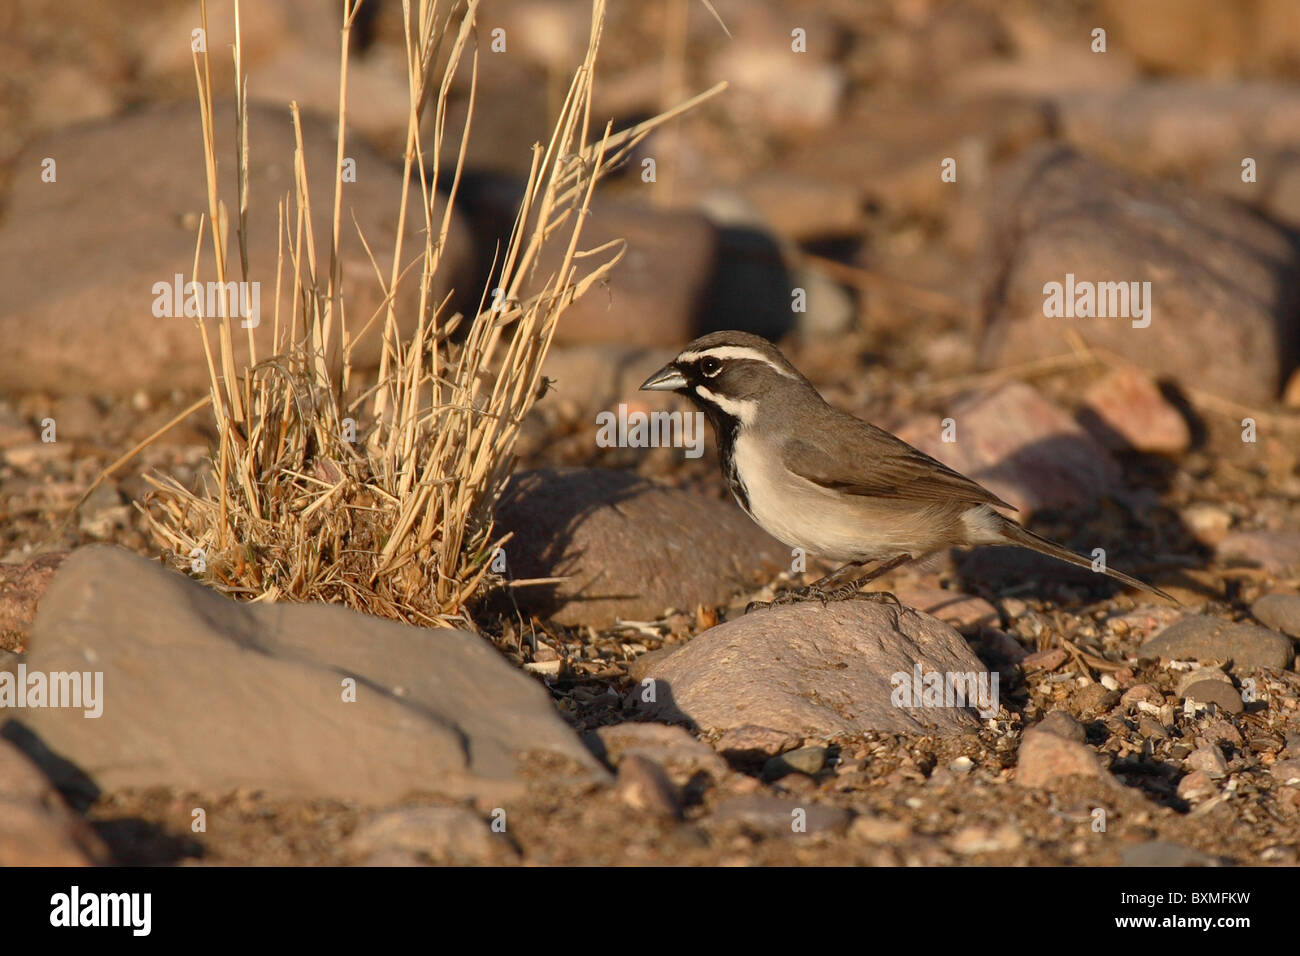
1013	533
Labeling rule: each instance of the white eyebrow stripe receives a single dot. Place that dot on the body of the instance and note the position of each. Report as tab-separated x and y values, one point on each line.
738	408
734	352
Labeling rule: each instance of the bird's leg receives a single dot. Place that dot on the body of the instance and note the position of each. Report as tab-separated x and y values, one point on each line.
824	592
854	588
815	590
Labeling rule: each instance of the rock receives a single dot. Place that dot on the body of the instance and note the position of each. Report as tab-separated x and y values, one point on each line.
377	79
997	645
36	827
78	418
1047	759
631	549
673	747
817	671
640	667
1149	727
785	89
775	815
1286	772
656	296
207	694
1223	281
1124	409
805	760
14	429
21	588
974	839
1208	759
594	378
162	43
829	310
1162	853
1197	785
892	152
643	785
1042	66
1198	129
122	216
1281	612
430	835
751	744
1021	447
952	607
1062	724
1215	692
1277	552
1142	692
804	207
1199	637
1045	660
771	81
1209	523
873	829
103	511
32	457
1215	39
1198	675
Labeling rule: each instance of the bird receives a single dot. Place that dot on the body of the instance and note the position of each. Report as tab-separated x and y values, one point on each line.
822	480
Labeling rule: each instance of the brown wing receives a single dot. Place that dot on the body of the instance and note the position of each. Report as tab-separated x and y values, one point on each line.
868	461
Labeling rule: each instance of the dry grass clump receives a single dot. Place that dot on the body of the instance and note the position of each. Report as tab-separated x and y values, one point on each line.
381	497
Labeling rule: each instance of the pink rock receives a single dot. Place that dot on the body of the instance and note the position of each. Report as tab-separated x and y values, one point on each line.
1125	409
952	607
1046	760
1019	445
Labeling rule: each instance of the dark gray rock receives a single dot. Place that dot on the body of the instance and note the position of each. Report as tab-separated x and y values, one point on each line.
1224	287
1275	551
203	693
79	257
1204	638
672	747
1281	612
1027	450
1216	692
630	549
774	815
817	671
428	835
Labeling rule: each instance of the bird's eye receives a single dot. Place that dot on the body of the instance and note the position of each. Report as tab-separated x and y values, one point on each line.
710	366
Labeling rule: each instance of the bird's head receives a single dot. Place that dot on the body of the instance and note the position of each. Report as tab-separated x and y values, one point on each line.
728	375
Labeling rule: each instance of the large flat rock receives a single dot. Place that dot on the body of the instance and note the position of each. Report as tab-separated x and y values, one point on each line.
629	549
1223	281
79	257
814	670
203	693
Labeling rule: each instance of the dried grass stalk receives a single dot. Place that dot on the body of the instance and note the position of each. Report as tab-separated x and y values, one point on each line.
384	501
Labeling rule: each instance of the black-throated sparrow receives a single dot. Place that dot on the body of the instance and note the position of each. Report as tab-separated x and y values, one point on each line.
822	480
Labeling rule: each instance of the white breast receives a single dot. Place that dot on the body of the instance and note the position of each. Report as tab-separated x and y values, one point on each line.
835	526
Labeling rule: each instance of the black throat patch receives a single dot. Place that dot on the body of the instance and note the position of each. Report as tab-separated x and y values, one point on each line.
727	429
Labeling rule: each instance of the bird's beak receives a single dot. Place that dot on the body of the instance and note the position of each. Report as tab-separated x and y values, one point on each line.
667	379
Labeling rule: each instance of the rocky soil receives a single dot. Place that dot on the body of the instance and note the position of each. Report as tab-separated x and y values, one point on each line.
632	713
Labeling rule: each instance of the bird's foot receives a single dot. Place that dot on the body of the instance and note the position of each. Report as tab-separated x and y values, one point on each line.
879	597
792	596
